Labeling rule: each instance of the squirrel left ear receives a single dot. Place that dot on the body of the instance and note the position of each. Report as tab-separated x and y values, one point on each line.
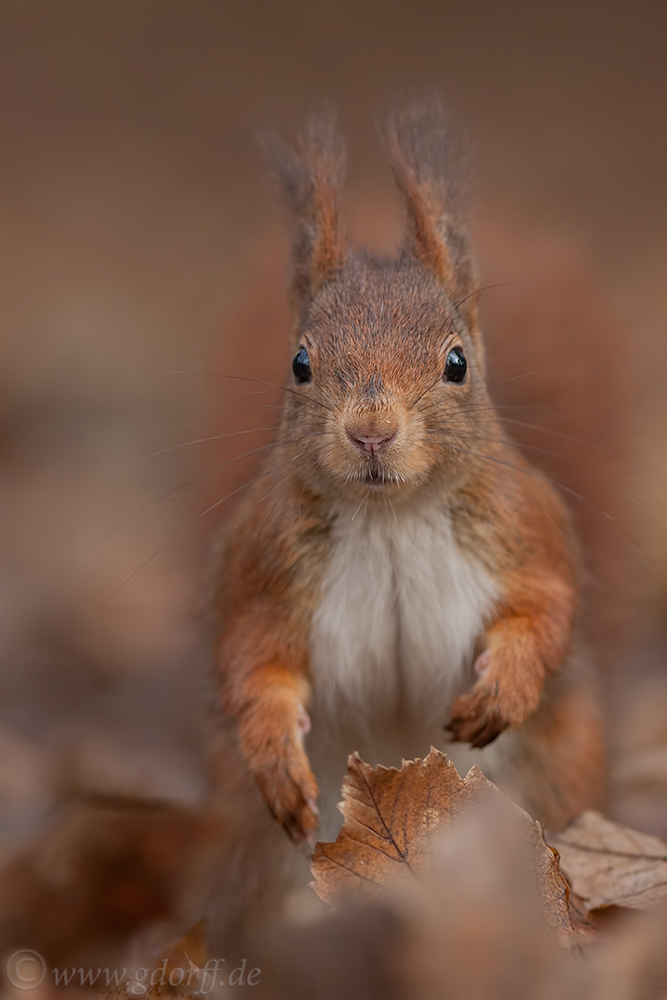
311	182
419	151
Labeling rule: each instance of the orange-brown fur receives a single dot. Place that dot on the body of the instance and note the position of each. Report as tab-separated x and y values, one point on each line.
377	332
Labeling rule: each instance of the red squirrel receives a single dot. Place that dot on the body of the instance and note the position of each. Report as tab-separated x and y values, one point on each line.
400	576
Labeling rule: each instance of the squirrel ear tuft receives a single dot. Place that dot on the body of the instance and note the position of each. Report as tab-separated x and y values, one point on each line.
420	153
311	181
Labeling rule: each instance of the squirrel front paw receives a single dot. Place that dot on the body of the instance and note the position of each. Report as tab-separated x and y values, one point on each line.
272	744
290	790
501	698
476	717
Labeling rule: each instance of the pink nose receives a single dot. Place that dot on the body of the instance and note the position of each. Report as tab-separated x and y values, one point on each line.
371	444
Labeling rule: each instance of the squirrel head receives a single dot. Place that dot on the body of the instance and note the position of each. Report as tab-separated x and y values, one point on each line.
388	386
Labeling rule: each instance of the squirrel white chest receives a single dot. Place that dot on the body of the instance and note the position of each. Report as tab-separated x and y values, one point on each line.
401	608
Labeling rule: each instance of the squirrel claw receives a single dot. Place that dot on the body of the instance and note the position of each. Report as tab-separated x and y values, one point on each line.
300	828
291	794
299	819
475	720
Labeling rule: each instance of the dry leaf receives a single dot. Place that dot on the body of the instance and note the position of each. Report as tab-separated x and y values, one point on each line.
178	974
608	864
107	868
188	954
391	817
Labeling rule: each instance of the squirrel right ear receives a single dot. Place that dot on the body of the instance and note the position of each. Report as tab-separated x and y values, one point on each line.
419	151
311	182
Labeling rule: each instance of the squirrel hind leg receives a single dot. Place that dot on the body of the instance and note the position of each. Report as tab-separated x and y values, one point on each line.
556	759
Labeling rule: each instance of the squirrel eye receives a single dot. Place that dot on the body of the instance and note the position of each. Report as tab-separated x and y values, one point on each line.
456	366
301	366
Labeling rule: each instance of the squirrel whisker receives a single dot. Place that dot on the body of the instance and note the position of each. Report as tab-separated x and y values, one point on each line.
566	489
208	510
563	458
213	437
283	388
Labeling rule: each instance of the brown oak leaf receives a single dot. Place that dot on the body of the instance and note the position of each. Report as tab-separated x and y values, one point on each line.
391	817
607	864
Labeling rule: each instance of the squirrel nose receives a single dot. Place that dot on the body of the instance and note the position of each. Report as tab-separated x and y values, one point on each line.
371	444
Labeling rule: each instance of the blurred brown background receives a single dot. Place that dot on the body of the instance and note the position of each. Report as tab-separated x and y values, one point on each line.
133	215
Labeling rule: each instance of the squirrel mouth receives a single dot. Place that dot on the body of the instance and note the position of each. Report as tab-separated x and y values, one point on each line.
374	475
